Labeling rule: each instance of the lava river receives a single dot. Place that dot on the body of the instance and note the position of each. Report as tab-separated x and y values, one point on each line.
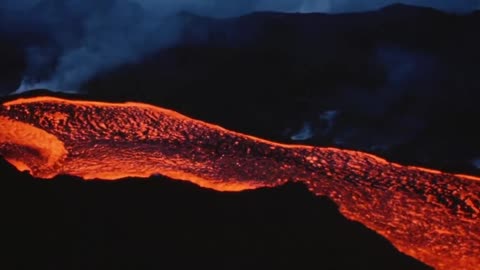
429	215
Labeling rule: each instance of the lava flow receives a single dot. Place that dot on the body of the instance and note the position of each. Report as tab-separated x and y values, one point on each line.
430	215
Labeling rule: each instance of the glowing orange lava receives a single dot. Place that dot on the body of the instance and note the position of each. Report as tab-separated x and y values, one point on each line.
427	214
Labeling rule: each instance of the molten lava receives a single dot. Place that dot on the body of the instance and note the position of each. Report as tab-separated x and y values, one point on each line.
430	215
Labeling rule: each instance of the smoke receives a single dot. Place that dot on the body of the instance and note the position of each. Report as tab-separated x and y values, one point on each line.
304	134
390	115
476	163
67	42
79	39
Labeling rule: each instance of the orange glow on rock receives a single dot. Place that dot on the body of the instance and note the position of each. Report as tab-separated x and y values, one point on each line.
427	214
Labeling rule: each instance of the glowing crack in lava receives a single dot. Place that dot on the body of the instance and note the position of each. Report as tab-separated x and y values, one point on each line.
427	214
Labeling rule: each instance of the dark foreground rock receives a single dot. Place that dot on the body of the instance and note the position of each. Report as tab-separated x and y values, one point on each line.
152	224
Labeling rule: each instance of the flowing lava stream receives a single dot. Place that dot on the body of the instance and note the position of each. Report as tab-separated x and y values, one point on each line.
429	215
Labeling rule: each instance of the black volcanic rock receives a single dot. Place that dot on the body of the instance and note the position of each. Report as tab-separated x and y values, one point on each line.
66	223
